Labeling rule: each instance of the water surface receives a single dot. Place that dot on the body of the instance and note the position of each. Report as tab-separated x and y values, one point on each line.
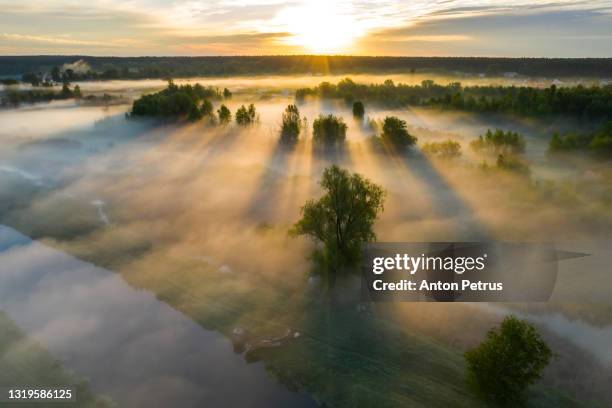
129	345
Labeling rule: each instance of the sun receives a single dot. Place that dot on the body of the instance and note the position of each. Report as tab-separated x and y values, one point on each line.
319	27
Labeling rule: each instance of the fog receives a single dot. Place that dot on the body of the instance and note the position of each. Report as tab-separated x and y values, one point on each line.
198	215
130	346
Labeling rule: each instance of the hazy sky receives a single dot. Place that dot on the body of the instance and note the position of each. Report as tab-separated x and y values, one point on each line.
377	27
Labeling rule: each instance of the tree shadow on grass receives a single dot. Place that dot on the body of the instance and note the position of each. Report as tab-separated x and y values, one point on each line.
264	204
447	203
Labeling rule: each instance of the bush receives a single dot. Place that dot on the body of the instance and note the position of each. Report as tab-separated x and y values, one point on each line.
499	142
448	149
328	130
510	359
395	135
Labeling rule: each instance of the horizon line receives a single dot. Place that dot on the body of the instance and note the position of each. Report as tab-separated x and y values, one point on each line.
302	55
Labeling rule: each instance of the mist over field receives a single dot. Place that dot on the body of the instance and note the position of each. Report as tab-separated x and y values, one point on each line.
199	215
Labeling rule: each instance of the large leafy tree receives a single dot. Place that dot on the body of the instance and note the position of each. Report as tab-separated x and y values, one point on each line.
342	220
510	359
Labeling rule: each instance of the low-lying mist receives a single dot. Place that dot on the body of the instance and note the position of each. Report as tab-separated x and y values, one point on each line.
199	214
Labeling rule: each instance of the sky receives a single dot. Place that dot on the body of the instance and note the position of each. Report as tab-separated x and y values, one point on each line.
520	28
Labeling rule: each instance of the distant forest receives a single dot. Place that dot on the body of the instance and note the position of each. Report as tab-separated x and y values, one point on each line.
578	101
85	67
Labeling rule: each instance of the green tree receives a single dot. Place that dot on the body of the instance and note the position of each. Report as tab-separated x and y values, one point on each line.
358	110
499	142
291	126
206	108
253	113
176	101
342	220
225	115
555	143
601	141
242	116
245	117
66	92
77	92
195	113
328	130
598	142
227	93
31	78
510	359
512	163
56	74
395	135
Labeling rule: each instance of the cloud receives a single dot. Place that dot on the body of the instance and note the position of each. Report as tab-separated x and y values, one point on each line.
47	39
64	40
430	38
523	32
443	27
245	43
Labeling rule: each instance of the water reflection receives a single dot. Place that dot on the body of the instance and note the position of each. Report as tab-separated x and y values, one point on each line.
130	346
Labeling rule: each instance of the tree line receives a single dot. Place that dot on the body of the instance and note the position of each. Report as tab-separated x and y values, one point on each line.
578	101
390	134
14	97
166	67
